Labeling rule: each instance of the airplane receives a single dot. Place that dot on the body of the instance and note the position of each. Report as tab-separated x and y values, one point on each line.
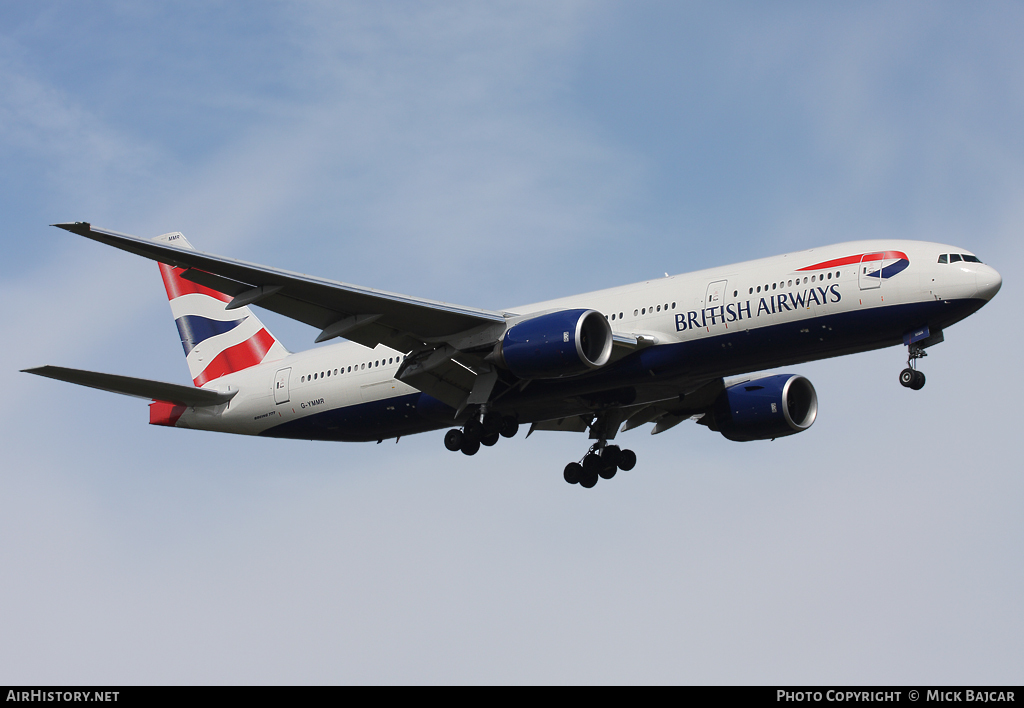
603	362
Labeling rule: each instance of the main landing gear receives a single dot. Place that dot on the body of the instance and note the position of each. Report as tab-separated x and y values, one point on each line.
602	461
485	430
910	377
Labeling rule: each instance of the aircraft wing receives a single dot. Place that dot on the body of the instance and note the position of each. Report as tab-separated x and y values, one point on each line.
696	403
445	344
130	386
363	315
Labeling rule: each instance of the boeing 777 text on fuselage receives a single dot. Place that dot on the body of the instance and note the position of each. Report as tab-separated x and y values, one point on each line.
603	362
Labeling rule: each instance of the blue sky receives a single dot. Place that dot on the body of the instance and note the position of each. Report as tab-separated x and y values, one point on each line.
491	155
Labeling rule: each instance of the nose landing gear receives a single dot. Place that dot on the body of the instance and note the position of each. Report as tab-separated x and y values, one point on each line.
910	377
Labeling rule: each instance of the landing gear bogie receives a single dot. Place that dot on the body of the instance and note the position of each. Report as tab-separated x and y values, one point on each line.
601	462
484	429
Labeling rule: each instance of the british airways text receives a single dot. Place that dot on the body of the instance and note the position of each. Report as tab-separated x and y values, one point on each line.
736	312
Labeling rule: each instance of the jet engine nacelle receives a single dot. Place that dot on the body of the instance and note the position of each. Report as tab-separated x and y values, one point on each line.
556	344
765	409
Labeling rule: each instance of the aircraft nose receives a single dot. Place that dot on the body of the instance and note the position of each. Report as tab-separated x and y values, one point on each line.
989	282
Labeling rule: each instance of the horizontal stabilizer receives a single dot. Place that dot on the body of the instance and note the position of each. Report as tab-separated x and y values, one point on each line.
130	386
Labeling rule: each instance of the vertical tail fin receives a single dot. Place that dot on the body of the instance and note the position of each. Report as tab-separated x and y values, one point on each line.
216	341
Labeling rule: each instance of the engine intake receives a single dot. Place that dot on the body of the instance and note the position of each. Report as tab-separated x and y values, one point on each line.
766	408
556	345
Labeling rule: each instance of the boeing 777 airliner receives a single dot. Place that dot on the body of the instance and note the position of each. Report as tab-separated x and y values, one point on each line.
603	362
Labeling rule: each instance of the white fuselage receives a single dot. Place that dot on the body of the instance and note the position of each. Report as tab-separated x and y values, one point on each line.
745	297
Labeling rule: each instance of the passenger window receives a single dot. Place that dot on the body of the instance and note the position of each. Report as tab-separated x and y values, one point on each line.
954	258
636	312
659	308
643	311
944	258
758	288
620	315
790	283
773	286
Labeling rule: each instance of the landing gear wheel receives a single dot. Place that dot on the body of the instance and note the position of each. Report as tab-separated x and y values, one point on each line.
470	446
489	440
492	424
453	440
907	377
573	472
592	467
473	430
509	427
627	460
610	454
607	470
918	382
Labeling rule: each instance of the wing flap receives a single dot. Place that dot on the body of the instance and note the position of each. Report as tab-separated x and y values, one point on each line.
131	386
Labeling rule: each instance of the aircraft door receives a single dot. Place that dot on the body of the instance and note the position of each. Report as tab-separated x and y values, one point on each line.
714	303
716	294
870	274
281	385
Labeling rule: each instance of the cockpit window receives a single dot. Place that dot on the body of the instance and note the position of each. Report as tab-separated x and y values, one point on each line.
944	258
970	259
954	258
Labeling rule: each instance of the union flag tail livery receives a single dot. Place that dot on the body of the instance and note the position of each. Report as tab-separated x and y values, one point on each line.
664	351
216	340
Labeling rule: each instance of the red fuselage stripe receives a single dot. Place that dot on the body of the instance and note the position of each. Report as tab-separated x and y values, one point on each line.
862	257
